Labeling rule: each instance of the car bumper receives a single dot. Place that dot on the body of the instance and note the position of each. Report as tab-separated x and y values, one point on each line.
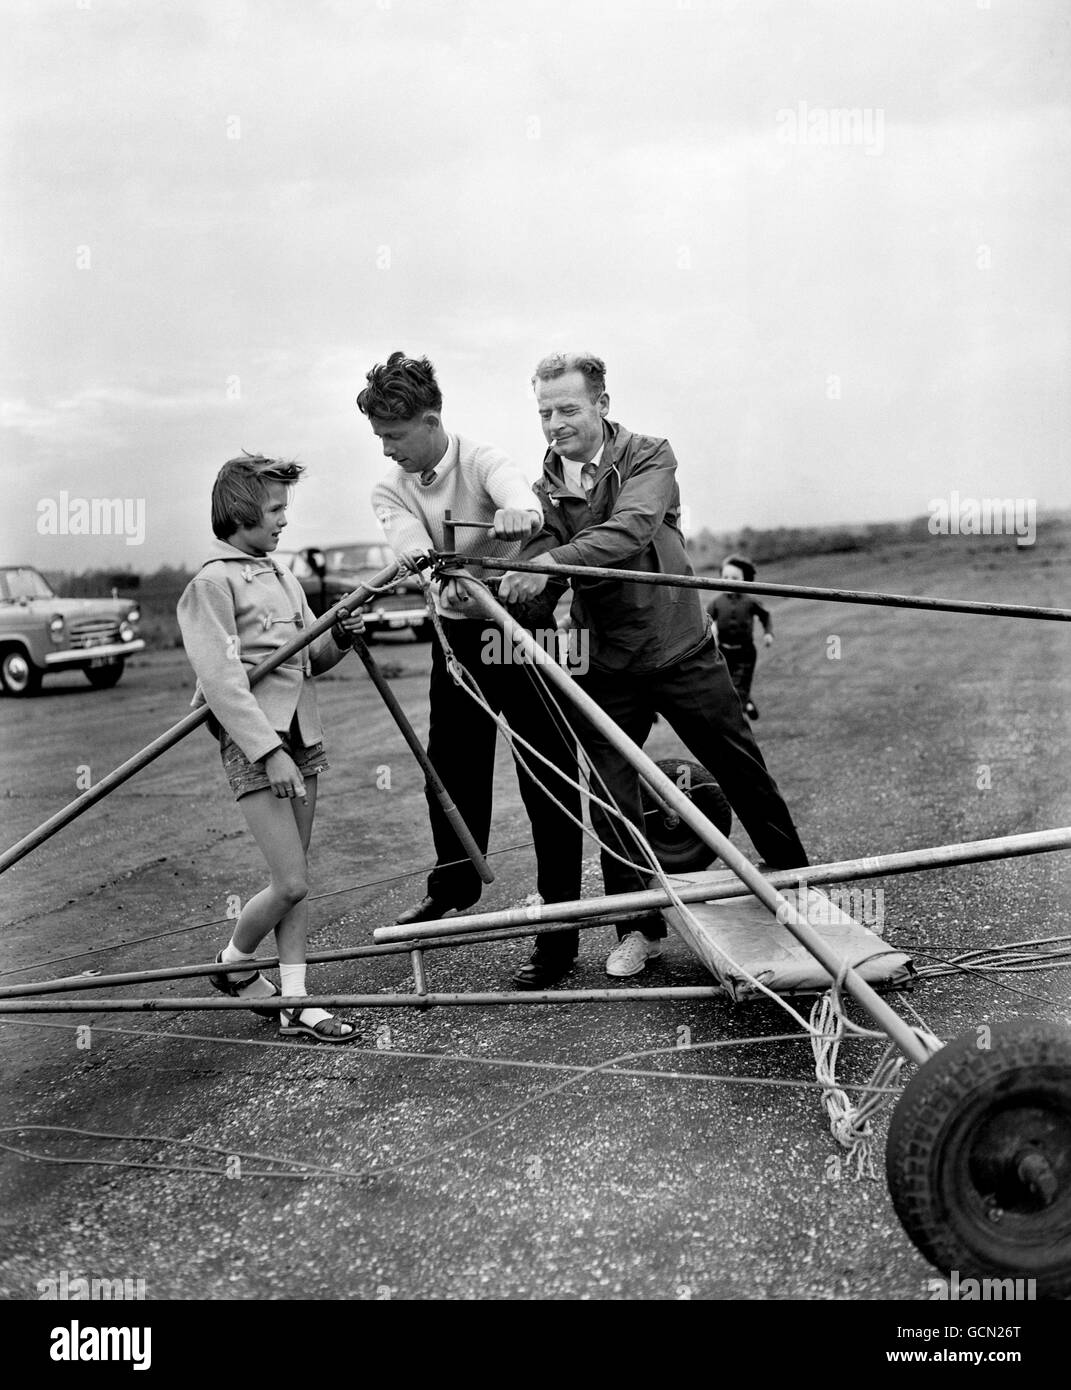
395	617
82	656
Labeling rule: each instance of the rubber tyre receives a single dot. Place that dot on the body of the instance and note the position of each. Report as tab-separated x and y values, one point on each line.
104	677
678	848
425	631
18	674
957	1135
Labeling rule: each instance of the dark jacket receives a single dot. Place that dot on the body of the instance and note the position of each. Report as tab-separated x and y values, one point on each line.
631	520
735	614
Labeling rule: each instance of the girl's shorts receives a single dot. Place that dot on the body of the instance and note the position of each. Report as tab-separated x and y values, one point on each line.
246	777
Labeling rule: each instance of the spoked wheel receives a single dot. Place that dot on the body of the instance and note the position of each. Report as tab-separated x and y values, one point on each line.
18	674
979	1156
676	845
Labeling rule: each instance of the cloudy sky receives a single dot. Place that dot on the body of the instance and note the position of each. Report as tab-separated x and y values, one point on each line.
219	214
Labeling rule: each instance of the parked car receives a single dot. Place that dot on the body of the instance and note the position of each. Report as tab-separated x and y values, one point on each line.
42	633
330	572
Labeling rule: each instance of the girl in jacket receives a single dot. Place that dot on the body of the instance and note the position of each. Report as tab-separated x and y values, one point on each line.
237	609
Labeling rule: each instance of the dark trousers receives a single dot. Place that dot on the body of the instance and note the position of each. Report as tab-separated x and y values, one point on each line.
461	746
741	663
696	697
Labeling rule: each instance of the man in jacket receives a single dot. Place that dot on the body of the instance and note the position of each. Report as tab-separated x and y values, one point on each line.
610	500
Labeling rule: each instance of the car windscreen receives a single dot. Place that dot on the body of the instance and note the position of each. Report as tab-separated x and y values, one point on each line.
359	557
16	584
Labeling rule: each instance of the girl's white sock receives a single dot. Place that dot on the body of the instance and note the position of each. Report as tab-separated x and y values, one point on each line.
292	984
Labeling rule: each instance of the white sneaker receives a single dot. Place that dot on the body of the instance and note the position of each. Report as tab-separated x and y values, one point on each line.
631	955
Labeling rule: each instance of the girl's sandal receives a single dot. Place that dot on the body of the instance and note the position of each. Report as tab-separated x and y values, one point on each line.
328	1030
232	986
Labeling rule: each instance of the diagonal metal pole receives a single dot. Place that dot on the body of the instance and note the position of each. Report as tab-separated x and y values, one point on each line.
885	1017
179	731
435	782
728	885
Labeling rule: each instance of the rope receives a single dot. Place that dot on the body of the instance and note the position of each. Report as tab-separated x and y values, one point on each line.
850	1125
220	921
609	1066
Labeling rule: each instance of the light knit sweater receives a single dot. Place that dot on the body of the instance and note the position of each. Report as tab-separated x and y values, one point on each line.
235	611
473	482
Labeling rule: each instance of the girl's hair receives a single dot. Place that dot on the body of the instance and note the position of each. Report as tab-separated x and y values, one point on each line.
241	489
403	388
743	564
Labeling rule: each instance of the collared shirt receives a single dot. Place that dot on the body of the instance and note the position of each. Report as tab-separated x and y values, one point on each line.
430	475
580	477
630	520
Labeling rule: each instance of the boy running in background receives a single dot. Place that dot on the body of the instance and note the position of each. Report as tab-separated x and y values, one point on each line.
239	608
733	615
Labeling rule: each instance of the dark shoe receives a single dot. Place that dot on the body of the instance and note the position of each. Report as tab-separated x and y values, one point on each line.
430	910
233	985
543	969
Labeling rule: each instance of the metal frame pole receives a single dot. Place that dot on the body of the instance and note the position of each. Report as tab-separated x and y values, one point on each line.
838	871
69	984
885	1017
698	581
356	1001
178	732
434	781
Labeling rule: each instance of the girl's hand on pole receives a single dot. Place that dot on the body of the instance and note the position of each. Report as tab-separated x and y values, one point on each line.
348	626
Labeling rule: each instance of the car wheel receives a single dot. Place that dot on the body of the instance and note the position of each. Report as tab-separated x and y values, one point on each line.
424	631
18	674
104	677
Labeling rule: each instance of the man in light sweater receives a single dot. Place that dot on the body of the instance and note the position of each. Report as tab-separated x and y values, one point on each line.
434	471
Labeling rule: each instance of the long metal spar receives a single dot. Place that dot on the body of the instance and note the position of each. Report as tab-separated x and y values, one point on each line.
196	717
885	1017
817	875
435	783
702	581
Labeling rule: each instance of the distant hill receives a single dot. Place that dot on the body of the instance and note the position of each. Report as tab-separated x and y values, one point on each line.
707	549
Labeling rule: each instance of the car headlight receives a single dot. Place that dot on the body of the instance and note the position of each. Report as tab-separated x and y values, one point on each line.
55	627
133	615
126	632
